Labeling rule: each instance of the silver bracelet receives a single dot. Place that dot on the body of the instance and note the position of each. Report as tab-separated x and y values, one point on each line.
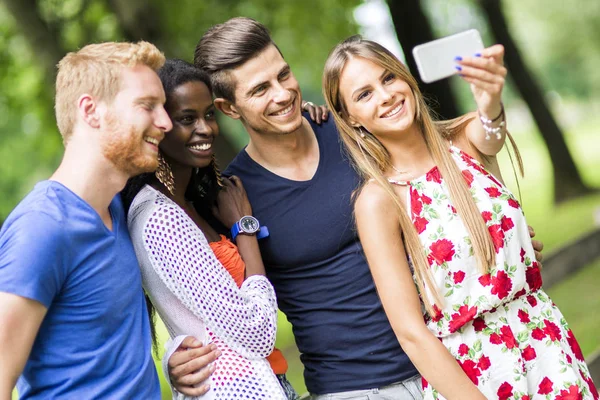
489	128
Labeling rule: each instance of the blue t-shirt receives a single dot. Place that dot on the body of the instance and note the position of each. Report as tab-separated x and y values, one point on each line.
94	341
315	261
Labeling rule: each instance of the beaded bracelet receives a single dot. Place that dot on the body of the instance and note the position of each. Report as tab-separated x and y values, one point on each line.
487	124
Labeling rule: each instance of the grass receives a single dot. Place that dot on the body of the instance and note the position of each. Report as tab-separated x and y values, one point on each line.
578	299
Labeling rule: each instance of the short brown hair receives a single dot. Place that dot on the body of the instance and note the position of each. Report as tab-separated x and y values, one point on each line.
95	69
227	46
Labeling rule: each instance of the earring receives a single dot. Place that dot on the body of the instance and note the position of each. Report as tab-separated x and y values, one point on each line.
164	174
362	132
217	171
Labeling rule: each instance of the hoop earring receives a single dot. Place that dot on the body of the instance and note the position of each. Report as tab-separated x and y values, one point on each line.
165	175
217	171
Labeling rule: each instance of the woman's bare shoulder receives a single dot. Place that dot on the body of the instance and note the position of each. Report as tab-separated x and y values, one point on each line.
374	200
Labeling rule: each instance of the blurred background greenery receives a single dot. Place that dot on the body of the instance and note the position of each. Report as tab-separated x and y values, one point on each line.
552	96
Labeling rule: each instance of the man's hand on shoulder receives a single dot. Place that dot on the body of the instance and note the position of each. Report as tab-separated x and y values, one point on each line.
190	365
538	246
318	114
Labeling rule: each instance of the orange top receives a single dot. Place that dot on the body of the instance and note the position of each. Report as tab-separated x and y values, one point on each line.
229	256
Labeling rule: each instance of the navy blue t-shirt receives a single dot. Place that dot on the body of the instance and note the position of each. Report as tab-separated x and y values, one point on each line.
315	261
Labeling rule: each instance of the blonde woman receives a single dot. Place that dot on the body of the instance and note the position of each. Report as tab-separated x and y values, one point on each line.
433	211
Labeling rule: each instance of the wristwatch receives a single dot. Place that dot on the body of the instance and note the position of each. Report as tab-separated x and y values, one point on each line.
248	225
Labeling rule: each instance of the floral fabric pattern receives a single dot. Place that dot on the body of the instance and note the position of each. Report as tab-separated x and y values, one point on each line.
502	328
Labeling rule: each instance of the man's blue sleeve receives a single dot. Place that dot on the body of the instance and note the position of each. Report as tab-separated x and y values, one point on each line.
32	257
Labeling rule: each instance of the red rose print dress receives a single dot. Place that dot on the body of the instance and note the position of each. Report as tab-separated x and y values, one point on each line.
502	328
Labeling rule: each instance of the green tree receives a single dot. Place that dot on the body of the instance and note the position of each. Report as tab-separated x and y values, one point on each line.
35	34
413	28
564	60
567	180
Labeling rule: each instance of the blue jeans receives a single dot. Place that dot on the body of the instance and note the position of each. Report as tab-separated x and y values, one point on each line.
409	389
287	387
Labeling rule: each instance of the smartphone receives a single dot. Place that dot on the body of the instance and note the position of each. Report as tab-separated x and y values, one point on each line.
436	59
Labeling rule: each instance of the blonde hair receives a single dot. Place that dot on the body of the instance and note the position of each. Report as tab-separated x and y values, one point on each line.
371	159
96	69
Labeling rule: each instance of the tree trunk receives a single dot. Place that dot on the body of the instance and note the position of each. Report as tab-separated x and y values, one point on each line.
412	28
42	39
567	181
138	20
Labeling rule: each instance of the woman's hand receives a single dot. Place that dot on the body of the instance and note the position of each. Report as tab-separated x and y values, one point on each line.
317	113
486	74
232	202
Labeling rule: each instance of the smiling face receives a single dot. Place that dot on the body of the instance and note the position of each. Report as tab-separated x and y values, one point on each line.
376	98
267	95
135	122
192	112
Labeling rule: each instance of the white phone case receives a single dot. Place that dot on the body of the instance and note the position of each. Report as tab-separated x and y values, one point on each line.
436	59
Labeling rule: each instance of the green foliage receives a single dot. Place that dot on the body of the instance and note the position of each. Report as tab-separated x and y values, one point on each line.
21	115
564	60
305	31
31	146
559	39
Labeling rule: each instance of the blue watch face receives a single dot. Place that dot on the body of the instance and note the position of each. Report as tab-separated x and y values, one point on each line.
249	224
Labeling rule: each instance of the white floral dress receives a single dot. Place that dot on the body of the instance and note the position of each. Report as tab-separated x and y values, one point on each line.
502	328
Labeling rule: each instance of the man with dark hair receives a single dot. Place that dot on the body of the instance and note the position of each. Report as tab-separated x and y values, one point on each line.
300	184
230	45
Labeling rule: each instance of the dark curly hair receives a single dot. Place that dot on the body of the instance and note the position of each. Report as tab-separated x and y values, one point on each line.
204	184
